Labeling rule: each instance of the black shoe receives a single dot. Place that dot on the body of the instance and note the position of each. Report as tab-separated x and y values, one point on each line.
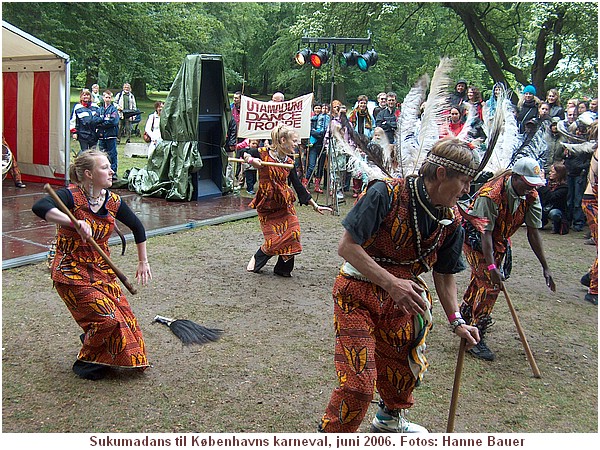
284	268
592	298
482	351
282	274
90	371
82	337
585	280
20	185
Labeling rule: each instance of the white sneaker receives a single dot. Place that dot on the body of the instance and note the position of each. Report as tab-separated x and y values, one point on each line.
340	195
387	421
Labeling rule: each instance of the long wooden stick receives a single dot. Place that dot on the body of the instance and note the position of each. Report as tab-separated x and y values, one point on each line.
456	386
106	258
265	163
530	358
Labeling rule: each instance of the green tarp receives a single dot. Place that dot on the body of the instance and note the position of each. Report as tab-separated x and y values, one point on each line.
169	172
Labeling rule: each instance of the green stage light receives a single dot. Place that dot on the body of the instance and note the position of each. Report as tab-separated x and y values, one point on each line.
348	59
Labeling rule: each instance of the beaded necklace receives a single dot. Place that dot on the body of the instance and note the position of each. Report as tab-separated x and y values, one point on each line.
276	156
93	201
421	254
443	222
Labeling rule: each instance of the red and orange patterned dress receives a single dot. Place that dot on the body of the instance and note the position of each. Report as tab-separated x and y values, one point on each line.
89	288
274	203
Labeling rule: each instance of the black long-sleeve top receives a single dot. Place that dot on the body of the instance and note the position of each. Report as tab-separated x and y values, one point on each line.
124	213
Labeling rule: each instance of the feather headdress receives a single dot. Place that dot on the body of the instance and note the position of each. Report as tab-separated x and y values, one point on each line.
507	140
369	162
532	145
433	115
501	128
407	133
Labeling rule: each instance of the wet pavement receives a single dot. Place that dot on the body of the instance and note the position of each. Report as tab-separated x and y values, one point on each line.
25	237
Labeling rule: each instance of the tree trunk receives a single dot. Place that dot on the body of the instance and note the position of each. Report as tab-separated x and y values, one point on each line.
92	67
490	50
138	87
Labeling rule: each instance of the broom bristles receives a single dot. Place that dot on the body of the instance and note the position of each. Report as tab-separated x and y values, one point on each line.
190	332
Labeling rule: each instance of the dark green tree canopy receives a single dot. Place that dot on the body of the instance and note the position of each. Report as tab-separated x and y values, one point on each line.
547	44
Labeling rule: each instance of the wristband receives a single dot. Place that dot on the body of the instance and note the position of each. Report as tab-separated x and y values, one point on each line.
492	267
457	323
452	317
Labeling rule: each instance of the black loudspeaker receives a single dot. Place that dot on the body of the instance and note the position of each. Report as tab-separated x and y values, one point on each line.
208	181
211	87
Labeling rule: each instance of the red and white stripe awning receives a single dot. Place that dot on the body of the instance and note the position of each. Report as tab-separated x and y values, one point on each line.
35	91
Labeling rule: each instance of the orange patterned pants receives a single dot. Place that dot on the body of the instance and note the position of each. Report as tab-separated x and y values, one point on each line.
481	295
112	335
590	208
372	347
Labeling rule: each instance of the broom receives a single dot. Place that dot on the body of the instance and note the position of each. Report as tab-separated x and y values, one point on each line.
190	332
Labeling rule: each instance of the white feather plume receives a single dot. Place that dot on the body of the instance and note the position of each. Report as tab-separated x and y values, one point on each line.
407	133
508	139
358	163
463	135
433	115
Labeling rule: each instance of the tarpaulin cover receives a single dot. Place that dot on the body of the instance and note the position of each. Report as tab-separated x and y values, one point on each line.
169	172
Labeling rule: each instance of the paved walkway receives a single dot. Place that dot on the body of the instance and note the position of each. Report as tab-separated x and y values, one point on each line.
25	237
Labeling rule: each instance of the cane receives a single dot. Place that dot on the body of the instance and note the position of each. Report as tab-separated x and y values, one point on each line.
530	358
106	258
265	163
456	386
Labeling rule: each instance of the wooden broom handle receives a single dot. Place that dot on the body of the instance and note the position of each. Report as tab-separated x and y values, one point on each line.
75	223
530	358
265	163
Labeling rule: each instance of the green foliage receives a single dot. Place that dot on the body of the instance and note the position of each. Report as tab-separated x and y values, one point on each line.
114	42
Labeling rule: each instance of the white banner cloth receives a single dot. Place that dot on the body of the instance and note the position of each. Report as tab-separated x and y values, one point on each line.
258	119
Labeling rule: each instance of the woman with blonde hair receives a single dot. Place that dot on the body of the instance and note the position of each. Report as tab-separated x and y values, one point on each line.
553	99
88	286
274	203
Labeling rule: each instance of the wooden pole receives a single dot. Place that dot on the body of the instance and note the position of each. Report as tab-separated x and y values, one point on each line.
528	352
106	258
456	386
265	163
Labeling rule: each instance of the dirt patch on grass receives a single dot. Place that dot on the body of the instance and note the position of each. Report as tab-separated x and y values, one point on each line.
273	369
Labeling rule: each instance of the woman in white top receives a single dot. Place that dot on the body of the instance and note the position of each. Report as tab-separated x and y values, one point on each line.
153	127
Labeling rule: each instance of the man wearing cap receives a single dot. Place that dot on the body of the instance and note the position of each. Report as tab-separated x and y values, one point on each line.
398	230
507	201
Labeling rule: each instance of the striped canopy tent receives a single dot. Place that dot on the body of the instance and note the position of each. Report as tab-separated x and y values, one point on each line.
35	105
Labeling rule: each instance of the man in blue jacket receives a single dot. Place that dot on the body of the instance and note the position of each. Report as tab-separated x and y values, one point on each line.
108	130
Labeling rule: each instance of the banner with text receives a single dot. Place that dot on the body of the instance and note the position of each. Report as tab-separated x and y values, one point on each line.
257	119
